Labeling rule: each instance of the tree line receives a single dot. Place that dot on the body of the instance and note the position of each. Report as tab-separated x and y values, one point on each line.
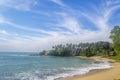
81	49
101	48
115	37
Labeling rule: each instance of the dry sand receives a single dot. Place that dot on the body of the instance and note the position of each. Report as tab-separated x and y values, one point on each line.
107	74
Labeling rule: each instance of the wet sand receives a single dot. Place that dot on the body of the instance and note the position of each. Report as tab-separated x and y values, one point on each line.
103	74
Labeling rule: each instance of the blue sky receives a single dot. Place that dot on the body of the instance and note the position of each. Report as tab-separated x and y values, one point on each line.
35	25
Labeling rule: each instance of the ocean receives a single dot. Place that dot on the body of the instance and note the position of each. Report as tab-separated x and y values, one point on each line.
21	66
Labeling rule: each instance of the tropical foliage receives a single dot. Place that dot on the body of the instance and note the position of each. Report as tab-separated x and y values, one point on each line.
115	36
100	48
81	49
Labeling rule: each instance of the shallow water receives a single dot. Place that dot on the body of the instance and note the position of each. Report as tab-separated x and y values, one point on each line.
20	66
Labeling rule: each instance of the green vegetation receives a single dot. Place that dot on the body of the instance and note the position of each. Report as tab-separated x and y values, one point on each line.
115	36
82	49
100	48
117	57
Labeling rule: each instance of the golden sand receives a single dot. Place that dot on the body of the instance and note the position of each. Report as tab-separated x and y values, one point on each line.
107	74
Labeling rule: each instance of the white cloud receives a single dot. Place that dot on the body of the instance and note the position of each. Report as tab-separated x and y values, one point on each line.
101	18
59	2
68	22
24	5
112	2
74	32
56	32
2	19
3	32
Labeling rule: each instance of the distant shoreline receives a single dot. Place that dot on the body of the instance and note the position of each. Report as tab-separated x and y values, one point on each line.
99	74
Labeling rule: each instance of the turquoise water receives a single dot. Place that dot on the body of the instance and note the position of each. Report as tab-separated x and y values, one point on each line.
20	66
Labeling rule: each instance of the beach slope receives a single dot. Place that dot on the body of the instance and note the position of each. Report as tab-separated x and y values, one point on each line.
106	74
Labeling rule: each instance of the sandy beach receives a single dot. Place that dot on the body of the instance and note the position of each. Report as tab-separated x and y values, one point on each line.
106	74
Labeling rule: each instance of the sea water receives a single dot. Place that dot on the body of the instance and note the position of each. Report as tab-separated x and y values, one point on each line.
21	66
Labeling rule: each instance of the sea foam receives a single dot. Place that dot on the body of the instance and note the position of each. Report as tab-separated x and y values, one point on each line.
65	72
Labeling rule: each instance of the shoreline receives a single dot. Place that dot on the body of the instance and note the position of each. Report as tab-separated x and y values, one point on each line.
99	74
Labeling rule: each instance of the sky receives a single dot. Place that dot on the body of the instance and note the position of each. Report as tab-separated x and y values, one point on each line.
36	25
